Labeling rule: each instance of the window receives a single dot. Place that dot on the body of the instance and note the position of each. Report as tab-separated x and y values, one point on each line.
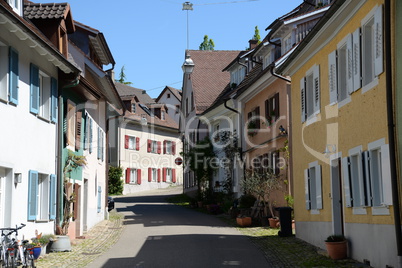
354	181
169	175
272	109
163	115
267	60
3	72
169	147
187	110
131	143
15	4
133	107
88	133
237	75
13	76
372	45
192	101
287	44
154	146
177	109
152	175
254	119
133	176
101	143
168	95
41	196
313	189
310	93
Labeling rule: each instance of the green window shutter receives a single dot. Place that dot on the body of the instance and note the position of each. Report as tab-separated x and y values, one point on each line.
54	92
99	198
34	89
318	187
13	76
52	197
32	194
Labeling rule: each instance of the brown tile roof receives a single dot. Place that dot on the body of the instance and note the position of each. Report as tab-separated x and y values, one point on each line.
127	92
176	92
45	11
207	78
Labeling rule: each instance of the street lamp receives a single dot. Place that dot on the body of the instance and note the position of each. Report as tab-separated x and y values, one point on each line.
188	65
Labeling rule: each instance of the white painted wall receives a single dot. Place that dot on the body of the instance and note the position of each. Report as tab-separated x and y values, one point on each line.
171	105
27	142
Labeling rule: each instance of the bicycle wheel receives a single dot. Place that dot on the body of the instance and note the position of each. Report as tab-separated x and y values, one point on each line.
11	261
29	260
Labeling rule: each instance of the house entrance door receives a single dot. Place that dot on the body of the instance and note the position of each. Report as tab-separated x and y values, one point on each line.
5	197
337	206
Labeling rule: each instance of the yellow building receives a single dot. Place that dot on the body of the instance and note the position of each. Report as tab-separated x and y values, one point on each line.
340	138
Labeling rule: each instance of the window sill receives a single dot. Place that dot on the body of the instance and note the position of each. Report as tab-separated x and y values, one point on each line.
380	211
370	85
360	211
344	102
41	221
314	212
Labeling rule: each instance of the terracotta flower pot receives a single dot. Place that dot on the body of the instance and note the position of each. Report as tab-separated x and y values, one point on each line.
337	250
243	221
273	222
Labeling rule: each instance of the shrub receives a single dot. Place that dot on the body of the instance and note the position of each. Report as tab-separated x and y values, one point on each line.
115	182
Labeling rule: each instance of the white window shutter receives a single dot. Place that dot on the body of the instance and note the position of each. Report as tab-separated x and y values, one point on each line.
386	175
356	60
366	172
318	186
333	80
346	182
303	99
349	64
378	41
307	189
316	85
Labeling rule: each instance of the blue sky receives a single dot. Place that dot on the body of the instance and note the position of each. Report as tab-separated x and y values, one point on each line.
150	37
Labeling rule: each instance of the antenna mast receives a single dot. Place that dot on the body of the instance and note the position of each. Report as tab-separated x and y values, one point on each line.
187	6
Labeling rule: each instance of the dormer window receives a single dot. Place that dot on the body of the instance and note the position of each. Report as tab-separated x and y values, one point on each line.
237	75
133	107
287	43
321	3
267	60
162	115
16	5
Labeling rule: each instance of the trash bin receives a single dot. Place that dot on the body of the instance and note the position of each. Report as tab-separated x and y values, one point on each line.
285	219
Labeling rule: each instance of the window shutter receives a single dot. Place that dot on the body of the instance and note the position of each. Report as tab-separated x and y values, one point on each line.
164	147
257	114
349	64
137	143
386	175
164	174
76	194
99	198
346	181
128	175
126	141
138	176
173	175
267	111
70	119
13	76
303	99
277	111
316	81
378	42
52	197
99	143
333	83
90	135
34	88
159	145
173	148
366	173
54	104
307	189
159	175
357	83
318	186
149	174
78	121
32	194
149	146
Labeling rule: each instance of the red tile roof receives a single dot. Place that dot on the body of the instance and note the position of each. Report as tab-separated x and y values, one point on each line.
45	11
207	78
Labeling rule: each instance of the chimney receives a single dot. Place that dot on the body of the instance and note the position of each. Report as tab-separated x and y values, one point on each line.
253	43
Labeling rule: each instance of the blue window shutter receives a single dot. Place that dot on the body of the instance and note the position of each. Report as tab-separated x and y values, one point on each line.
90	135
13	76
34	88
52	197
99	198
32	194
54	100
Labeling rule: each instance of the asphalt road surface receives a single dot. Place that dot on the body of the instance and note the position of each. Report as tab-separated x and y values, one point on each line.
159	234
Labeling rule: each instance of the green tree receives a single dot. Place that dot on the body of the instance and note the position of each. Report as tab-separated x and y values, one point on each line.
122	77
257	34
207	44
115	182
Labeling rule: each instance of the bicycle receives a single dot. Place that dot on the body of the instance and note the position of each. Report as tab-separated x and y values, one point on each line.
15	252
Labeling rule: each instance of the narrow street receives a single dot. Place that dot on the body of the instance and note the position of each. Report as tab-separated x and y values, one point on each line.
158	234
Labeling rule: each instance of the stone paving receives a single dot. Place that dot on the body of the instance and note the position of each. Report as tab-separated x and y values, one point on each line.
97	240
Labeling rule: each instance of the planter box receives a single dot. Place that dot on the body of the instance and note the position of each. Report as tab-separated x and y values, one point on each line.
244	221
337	250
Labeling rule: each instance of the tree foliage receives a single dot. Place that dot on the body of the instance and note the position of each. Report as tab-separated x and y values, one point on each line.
207	44
122	77
257	34
115	182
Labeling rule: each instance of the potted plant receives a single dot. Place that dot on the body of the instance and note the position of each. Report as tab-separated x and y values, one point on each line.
44	241
243	220
337	246
62	241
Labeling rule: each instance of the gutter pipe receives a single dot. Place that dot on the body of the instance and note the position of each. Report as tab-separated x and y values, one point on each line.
229	108
59	150
391	129
271	68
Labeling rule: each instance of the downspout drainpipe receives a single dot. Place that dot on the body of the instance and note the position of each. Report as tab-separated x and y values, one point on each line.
229	108
277	75
60	180
391	130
